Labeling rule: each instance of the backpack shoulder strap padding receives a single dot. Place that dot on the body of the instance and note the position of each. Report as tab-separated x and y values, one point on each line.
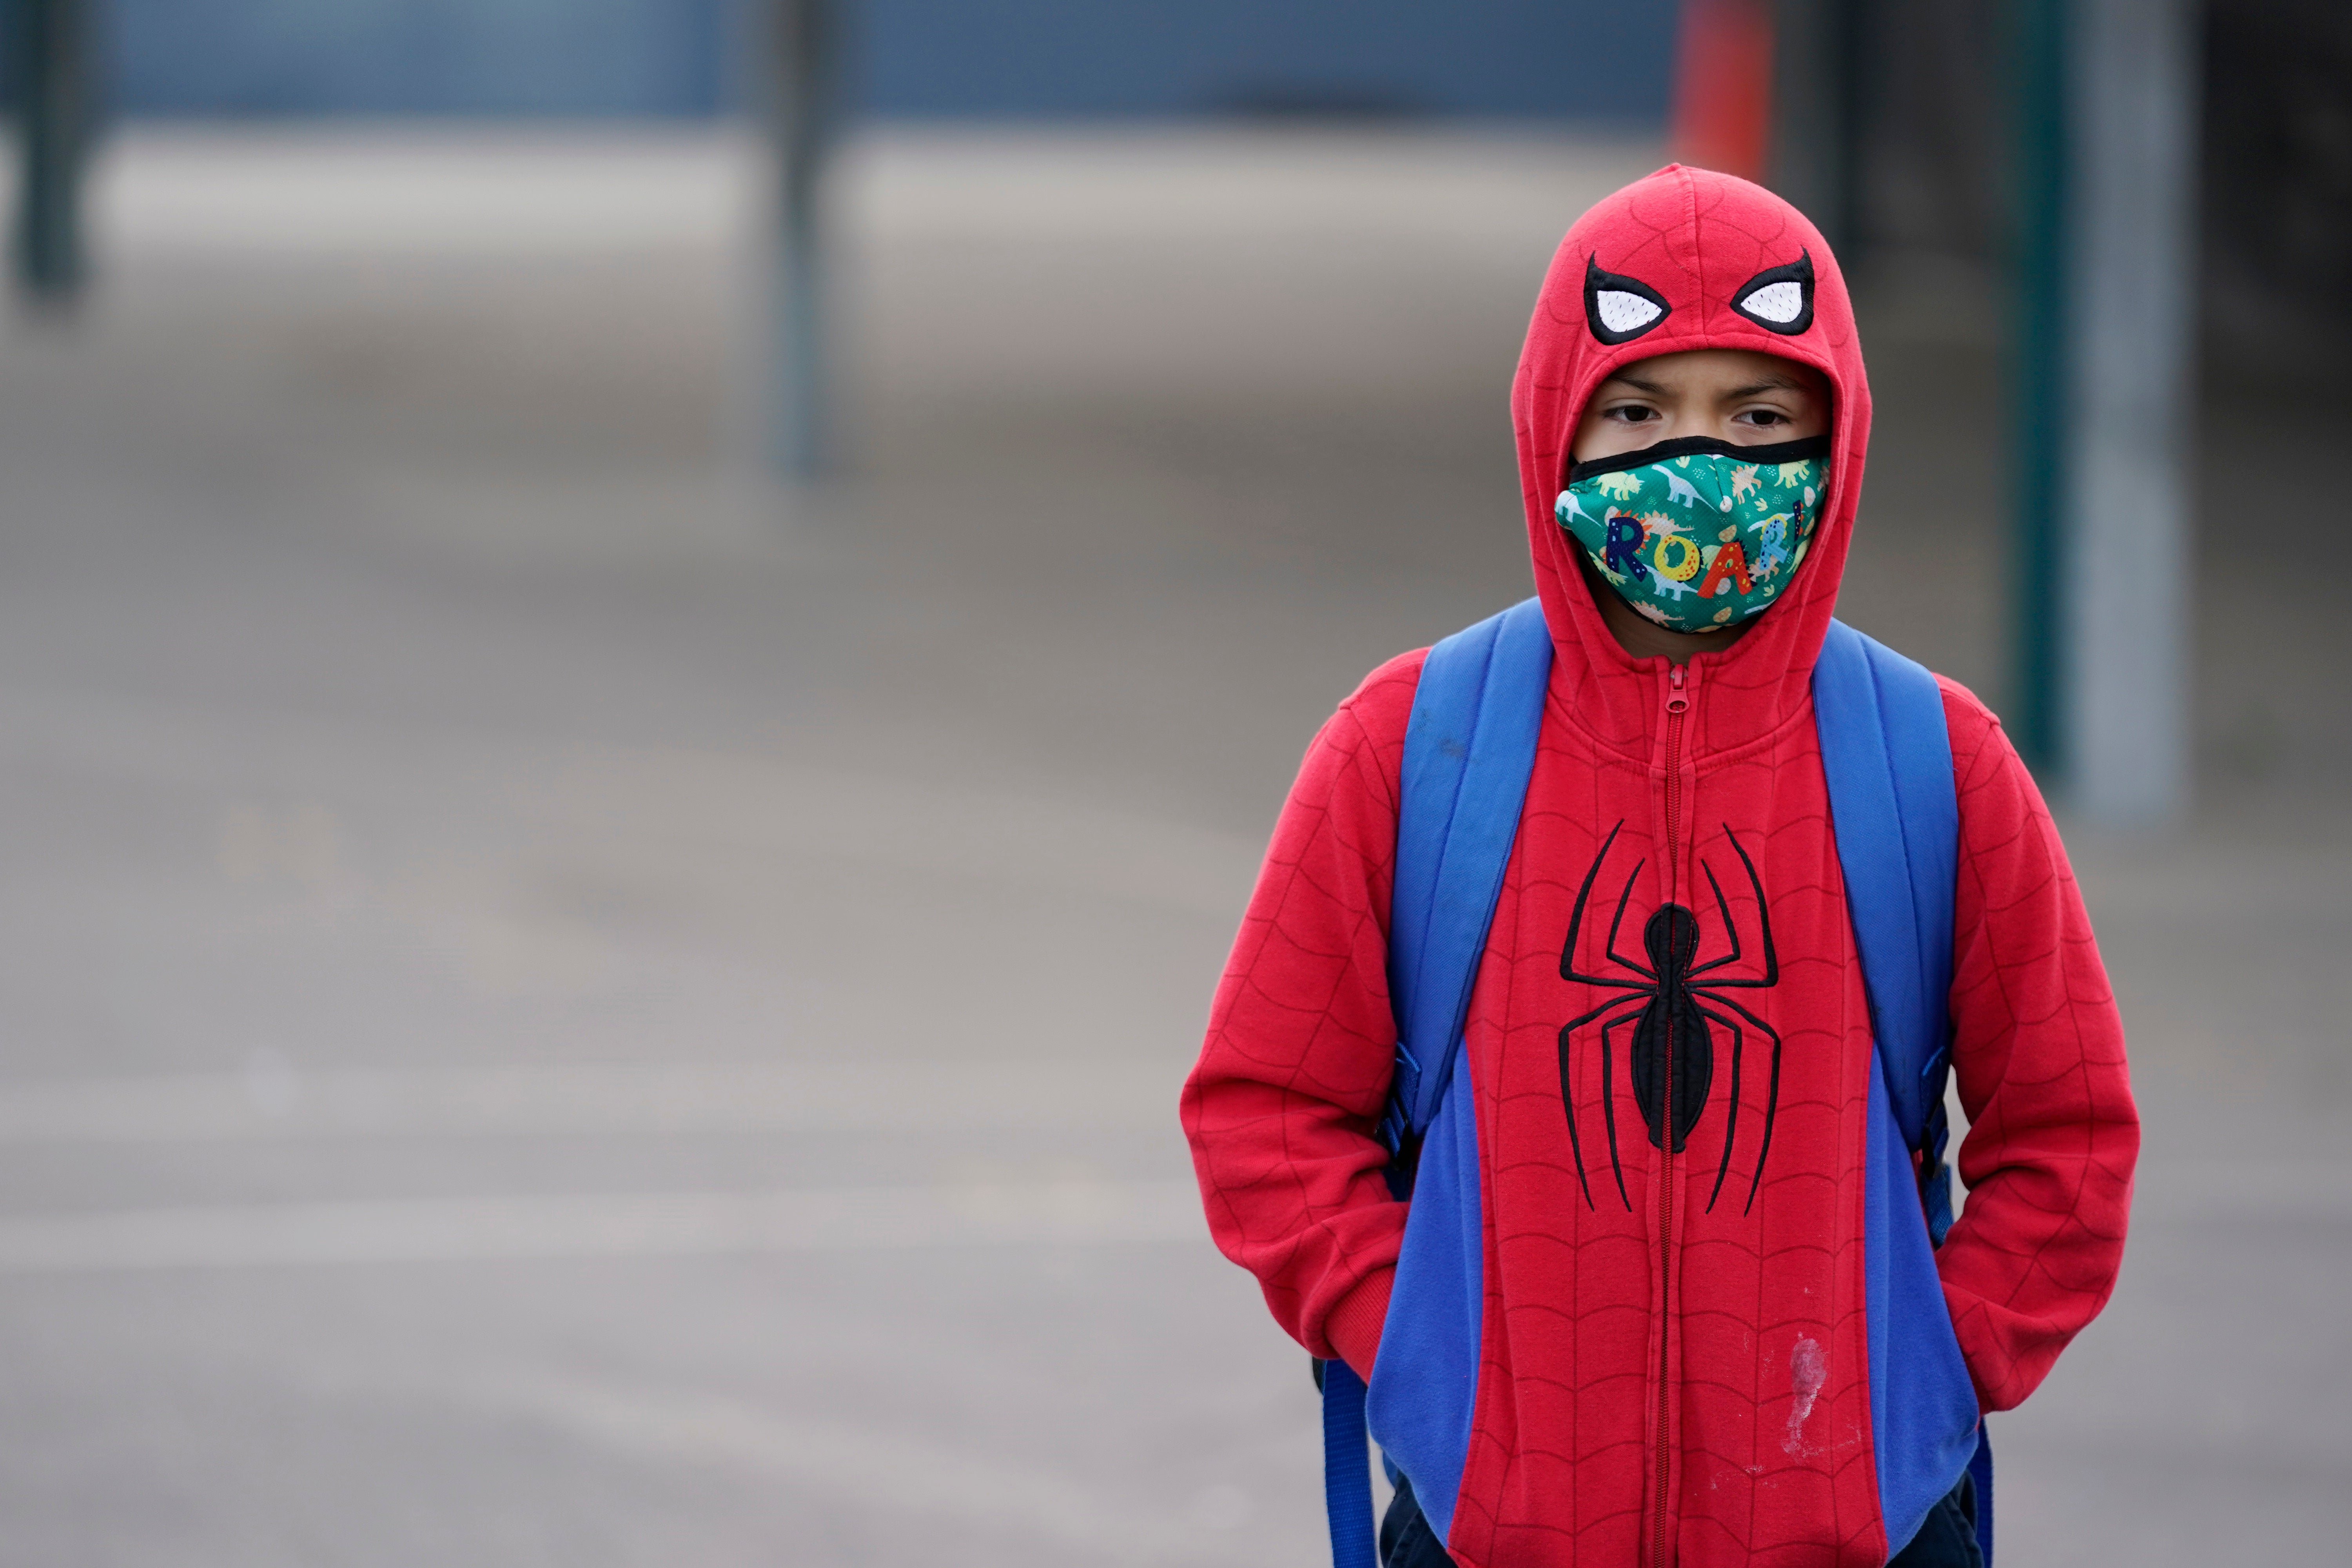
1888	756
1469	749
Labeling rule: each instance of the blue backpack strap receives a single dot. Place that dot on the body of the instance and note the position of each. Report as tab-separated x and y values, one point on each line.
1887	754
1888	758
1347	1472
1469	749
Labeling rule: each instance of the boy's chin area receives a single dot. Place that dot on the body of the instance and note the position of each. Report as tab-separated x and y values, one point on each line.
1642	637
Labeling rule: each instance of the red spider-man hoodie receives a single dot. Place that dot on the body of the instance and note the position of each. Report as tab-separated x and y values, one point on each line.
1674	1374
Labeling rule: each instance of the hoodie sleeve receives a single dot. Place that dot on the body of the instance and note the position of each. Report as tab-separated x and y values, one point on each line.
2038	1050
1301	1042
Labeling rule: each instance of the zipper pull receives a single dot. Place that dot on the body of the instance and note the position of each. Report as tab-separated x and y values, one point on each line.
1677	698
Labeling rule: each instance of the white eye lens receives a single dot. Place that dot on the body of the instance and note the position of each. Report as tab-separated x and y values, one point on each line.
1782	302
1623	313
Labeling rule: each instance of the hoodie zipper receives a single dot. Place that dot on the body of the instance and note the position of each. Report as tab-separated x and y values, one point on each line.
1677	705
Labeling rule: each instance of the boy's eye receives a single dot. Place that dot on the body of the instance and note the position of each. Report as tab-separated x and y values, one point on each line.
1633	414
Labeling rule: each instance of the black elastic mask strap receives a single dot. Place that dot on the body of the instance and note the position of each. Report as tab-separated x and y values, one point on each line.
1797	451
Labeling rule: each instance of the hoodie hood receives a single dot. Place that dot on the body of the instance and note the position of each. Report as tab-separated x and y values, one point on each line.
1686	259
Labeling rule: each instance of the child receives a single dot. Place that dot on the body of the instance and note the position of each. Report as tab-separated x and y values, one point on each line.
1673	1367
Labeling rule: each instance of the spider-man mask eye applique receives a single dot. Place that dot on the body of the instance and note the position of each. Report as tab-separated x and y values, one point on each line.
1780	299
1620	309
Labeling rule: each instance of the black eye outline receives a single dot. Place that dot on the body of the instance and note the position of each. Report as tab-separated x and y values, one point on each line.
1801	273
1597	282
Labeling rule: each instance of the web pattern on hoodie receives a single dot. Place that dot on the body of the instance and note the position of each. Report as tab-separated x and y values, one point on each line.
1296	1068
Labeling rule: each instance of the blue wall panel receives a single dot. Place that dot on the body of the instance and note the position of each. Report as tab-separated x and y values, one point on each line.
1583	60
418	57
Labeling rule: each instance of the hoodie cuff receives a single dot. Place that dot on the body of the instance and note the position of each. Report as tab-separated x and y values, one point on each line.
1354	1325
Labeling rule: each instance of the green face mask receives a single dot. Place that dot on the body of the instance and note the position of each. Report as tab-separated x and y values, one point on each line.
1698	534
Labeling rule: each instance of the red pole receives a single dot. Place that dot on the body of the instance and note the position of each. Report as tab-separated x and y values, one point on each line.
1723	86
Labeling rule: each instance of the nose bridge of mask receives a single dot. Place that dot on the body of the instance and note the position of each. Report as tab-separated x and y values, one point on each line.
1697	541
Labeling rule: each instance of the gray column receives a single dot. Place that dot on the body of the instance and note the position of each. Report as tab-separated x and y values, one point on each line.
1816	115
802	54
50	42
2123	496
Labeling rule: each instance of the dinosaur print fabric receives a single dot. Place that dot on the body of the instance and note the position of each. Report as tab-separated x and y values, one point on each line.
1698	535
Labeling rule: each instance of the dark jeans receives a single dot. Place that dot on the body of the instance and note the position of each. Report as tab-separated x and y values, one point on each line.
1948	1539
1406	1540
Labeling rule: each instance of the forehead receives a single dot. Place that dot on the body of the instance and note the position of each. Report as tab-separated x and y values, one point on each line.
1706	370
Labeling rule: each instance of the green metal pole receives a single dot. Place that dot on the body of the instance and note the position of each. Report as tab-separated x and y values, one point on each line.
50	43
2038	372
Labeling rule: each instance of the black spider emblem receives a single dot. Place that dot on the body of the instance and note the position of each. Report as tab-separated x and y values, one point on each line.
1671	1008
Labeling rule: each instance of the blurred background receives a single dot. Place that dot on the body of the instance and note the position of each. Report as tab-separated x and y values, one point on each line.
646	646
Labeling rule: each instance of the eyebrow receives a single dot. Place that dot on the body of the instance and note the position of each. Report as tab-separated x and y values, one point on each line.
1769	384
1659	389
